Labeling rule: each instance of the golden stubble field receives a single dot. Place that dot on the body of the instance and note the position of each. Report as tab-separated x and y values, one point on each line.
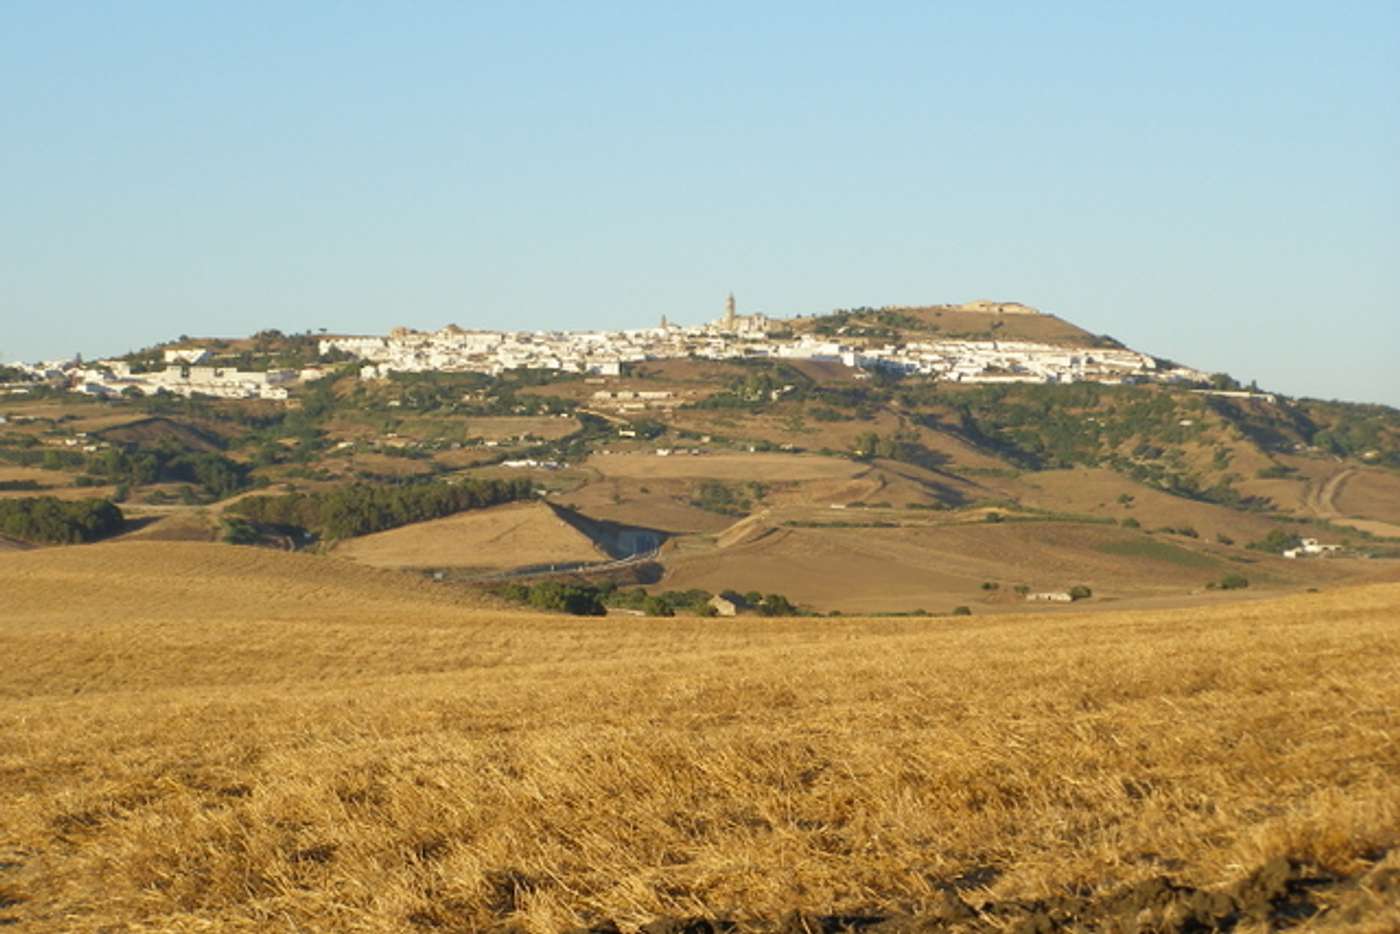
199	737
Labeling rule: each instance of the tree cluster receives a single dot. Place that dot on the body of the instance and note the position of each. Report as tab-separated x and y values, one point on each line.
55	521
557	597
215	474
362	508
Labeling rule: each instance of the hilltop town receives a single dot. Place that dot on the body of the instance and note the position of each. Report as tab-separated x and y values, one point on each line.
190	369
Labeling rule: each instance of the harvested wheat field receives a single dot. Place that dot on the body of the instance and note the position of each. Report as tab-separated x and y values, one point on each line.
514	535
765	468
201	737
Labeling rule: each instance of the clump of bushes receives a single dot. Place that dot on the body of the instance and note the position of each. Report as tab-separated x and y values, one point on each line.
1278	540
725	498
240	532
51	520
697	602
582	599
1229	582
557	597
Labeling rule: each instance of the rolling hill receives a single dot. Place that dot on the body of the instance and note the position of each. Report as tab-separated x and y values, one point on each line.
495	539
827	467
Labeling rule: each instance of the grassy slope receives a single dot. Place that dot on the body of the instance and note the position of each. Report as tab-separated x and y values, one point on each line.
498	538
201	737
872	569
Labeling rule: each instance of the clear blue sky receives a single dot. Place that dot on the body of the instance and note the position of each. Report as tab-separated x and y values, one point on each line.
1217	183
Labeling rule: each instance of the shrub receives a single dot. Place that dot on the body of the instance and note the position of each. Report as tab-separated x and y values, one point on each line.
1278	540
579	600
575	599
775	604
962	611
55	521
240	532
656	606
1234	582
1130	523
1080	592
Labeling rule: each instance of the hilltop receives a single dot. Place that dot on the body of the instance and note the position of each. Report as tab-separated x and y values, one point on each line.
961	455
979	320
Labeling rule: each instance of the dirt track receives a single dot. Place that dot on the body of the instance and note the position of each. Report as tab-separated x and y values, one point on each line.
1321	500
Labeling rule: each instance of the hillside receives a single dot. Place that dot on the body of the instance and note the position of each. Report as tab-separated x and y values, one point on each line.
496	539
880	561
830	461
235	739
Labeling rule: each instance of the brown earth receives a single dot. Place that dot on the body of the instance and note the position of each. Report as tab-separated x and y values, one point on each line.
725	466
67	492
500	428
177	524
935	567
155	430
951	321
386	465
35	474
220	738
499	538
659	504
786	425
1096	492
1356	497
1369	492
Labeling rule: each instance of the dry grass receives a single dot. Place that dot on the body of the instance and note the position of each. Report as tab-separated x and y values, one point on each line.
198	738
508	536
937	567
1095	491
731	467
1372	493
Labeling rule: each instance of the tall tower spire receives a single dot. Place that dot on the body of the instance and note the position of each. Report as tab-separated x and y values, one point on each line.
729	312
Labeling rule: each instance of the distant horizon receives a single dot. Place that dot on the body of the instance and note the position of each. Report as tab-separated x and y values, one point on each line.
428	328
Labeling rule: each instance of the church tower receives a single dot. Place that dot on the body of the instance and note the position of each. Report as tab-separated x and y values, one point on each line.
730	319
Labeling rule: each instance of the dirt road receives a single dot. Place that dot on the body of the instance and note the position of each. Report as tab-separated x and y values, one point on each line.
1321	499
